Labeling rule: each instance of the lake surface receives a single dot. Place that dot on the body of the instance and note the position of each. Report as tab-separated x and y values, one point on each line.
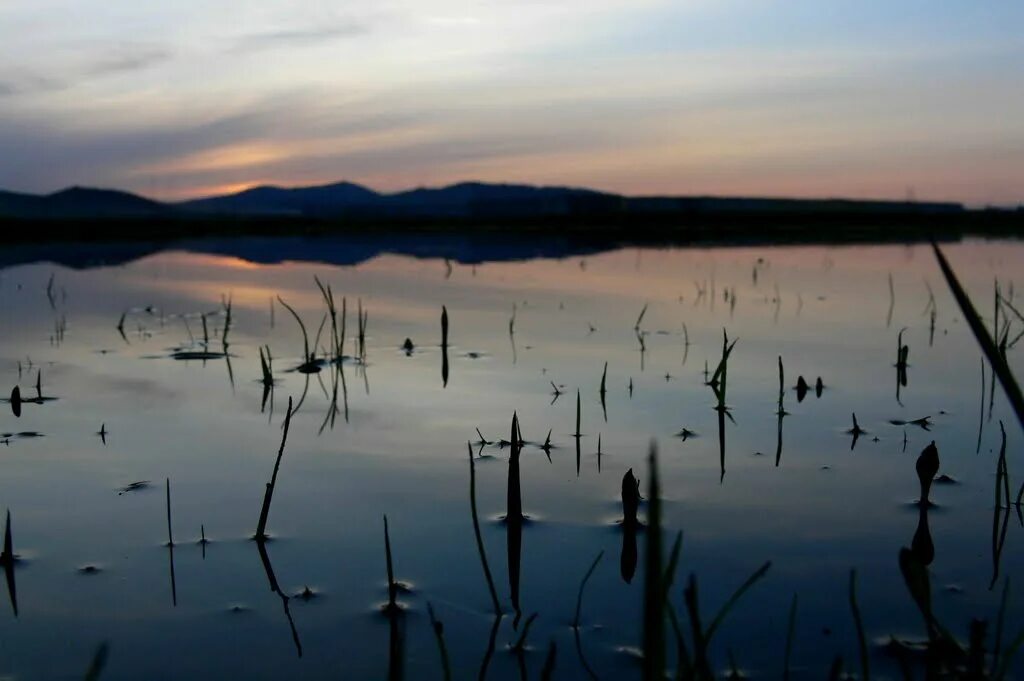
384	434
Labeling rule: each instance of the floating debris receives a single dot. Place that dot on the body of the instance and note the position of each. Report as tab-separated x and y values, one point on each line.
134	487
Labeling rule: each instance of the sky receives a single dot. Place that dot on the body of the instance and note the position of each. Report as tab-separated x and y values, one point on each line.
176	99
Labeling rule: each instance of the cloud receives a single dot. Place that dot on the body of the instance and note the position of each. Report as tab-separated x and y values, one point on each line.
125	59
128	59
298	37
28	84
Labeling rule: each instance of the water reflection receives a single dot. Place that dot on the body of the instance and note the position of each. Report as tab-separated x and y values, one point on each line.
630	524
354	454
7	560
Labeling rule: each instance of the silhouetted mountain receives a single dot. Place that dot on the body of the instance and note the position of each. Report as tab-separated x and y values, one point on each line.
476	199
12	203
467	200
269	200
79	202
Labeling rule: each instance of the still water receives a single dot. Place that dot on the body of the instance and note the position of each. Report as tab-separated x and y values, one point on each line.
385	435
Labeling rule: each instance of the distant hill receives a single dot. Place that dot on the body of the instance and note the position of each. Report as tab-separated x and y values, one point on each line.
79	202
467	200
269	200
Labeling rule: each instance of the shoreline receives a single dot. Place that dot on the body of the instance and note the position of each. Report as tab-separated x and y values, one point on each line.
104	241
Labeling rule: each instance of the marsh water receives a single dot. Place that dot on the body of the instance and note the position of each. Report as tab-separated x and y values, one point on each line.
381	432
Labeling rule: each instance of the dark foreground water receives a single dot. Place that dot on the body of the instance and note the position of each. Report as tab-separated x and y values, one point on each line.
385	435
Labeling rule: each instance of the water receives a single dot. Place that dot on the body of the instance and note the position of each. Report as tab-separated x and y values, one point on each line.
397	444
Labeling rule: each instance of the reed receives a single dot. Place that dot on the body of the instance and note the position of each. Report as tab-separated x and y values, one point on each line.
261	526
781	411
640	319
332	311
7	561
7	556
170	534
227	305
790	630
99	661
577	434
1000	624
892	302
1000	525
266	366
476	532
604	391
583	584
319	332
170	547
630	505
50	292
547	672
438	627
653	666
362	317
686	343
996	358
306	355
862	645
392	606
520	645
514	514
856	431
444	346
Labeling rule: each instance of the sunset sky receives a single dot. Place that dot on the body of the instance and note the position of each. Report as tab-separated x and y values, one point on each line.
182	98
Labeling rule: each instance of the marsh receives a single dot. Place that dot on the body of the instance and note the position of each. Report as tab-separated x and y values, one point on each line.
148	386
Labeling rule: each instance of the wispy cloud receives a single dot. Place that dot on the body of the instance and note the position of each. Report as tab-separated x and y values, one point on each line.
28	84
128	59
299	37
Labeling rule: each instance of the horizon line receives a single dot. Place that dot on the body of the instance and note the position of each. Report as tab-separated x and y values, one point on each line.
290	187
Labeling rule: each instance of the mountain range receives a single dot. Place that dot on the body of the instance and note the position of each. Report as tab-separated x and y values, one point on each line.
463	200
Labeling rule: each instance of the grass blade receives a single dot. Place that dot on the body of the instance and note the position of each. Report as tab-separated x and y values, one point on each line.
988	346
862	645
790	627
654	592
438	628
583	584
476	531
737	595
